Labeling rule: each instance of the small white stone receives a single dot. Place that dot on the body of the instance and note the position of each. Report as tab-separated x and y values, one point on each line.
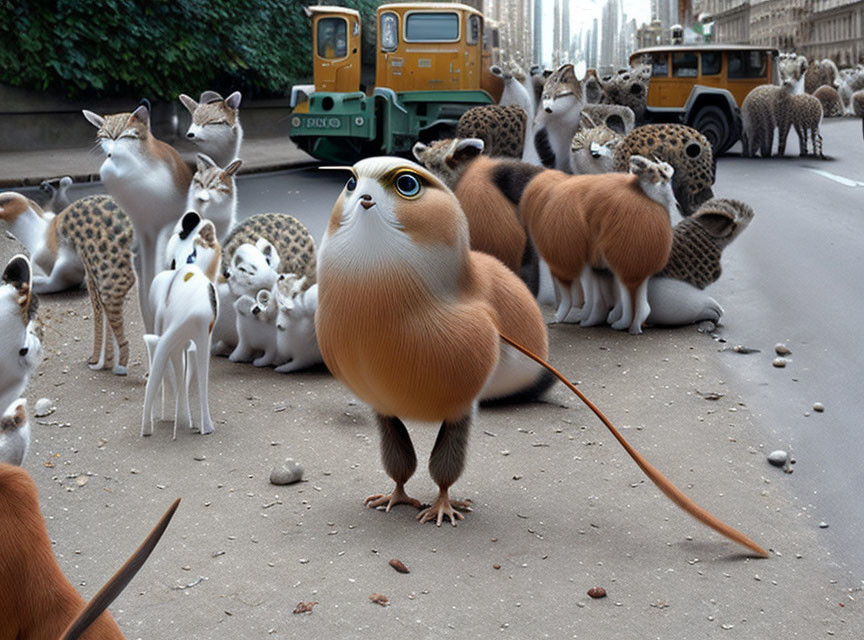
44	407
781	349
778	458
823	525
818	407
288	472
779	362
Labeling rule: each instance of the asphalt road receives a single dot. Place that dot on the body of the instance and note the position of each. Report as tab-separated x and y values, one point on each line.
559	507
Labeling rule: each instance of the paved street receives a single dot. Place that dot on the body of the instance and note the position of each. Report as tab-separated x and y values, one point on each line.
559	507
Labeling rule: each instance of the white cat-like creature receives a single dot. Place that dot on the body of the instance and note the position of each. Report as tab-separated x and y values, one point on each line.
213	193
296	342
20	347
14	434
186	307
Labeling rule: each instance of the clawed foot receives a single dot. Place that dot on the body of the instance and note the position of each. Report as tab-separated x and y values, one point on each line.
379	500
444	506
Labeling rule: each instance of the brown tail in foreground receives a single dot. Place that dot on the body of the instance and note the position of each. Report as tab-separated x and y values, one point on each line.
663	483
119	580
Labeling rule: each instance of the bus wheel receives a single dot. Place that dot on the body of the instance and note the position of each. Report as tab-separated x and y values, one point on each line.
713	123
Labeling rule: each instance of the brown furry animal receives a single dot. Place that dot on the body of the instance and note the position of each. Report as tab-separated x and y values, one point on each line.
832	106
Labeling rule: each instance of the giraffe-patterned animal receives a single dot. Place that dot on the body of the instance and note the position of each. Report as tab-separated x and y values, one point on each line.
101	234
294	244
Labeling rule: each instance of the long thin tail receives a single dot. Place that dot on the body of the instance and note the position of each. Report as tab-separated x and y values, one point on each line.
663	483
119	580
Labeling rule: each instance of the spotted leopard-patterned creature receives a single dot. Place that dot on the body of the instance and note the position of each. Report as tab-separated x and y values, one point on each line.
629	88
100	232
698	241
293	242
613	116
832	105
806	116
687	150
502	129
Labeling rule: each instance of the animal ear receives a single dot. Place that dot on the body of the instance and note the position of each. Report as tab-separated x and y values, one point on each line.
204	161
417	149
718	223
497	71
263	297
638	164
15	416
616	124
141	113
65	182
667	169
93	118
188	102
19	274
269	252
300	283
465	150
208	233
233	101
232	168
190	220
580	70
209	96
693	149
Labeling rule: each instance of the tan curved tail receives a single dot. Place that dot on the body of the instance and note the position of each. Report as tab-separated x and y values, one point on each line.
111	589
663	483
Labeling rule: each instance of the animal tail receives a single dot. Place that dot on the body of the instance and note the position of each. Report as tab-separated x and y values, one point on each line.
119	580
663	483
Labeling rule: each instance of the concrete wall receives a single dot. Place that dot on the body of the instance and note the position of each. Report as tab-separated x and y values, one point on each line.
32	120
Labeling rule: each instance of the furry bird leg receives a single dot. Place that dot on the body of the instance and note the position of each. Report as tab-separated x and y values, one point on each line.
111	589
663	483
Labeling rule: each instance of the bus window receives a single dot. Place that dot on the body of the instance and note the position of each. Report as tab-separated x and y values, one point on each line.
685	65
389	32
711	63
432	27
473	30
659	65
332	38
747	64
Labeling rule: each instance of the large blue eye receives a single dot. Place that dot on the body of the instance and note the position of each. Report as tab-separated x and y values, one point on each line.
408	184
192	256
351	184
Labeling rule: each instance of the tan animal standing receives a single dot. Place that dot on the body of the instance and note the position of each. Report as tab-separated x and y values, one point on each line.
409	319
579	223
100	234
149	180
215	127
37	602
493	221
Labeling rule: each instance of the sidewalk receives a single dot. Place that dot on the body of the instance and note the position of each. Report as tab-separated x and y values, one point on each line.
28	168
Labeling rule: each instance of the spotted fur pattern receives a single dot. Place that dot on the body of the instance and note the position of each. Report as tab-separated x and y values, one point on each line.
806	116
818	74
502	129
629	88
832	106
698	241
101	234
294	244
613	116
758	120
687	150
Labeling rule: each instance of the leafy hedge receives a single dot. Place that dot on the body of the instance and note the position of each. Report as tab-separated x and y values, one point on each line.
158	48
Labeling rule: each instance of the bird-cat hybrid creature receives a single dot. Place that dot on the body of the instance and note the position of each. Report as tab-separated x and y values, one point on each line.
20	347
409	319
215	127
149	180
37	602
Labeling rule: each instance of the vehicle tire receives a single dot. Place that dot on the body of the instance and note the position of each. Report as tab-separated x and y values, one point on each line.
713	123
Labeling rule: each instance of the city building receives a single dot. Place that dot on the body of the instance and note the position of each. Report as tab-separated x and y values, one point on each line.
836	31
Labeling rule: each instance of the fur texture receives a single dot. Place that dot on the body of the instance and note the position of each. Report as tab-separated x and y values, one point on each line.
20	347
832	106
215	127
558	117
593	150
14	433
213	194
409	317
296	342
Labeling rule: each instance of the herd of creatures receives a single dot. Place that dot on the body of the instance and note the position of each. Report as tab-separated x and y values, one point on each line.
420	265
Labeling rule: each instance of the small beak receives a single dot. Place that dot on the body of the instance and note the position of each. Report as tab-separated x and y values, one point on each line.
367	204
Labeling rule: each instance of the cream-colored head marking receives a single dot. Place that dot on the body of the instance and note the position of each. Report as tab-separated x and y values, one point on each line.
395	214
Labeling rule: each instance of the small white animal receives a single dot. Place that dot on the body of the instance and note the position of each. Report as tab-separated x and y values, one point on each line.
25	220
296	342
213	194
256	329
14	433
20	347
186	307
215	127
57	190
252	268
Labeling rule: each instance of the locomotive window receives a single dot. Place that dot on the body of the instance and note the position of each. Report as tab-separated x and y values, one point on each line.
473	30
332	38
389	32
432	27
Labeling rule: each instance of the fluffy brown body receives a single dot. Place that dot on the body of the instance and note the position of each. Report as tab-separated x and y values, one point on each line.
37	602
604	220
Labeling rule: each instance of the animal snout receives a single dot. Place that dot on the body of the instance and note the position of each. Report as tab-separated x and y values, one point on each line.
547	109
366	201
190	134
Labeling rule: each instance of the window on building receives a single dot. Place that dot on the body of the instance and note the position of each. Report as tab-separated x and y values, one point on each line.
432	27
332	38
659	65
747	64
711	63
685	65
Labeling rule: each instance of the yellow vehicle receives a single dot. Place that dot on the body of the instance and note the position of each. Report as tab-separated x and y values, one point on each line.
430	67
704	85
